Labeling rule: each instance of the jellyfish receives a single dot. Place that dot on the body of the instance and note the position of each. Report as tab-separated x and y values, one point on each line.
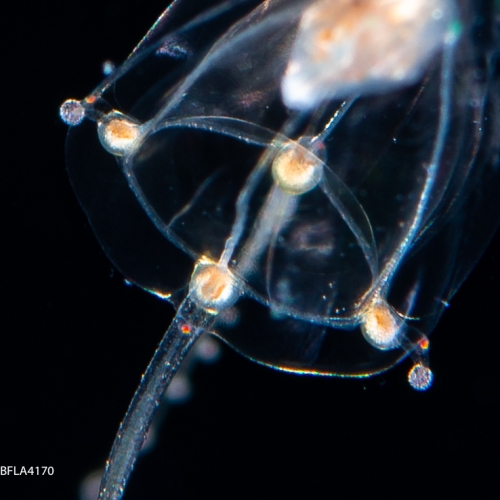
313	168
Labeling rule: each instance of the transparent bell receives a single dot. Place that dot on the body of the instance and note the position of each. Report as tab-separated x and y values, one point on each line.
303	179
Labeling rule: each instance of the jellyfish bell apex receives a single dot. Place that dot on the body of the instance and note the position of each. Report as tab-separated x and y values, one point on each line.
350	47
118	133
213	287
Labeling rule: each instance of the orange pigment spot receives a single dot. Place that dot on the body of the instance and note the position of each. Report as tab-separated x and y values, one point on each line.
383	318
424	344
185	329
212	288
121	129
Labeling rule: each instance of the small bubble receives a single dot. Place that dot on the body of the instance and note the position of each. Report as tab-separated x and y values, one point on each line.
420	377
89	488
208	349
229	317
108	67
179	390
72	112
437	14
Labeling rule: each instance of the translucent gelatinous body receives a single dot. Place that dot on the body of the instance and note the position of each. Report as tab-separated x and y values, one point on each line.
317	215
314	169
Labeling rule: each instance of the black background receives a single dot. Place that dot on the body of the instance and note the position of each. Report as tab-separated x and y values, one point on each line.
75	339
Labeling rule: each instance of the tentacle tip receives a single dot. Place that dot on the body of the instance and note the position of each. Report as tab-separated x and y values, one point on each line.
420	377
72	112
